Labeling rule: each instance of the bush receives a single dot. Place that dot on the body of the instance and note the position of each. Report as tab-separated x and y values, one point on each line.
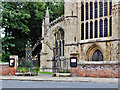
5	57
64	71
24	71
83	65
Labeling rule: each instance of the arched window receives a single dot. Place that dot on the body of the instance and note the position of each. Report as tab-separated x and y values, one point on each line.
96	29
105	8
91	10
82	11
56	45
105	28
86	11
87	30
96	9
101	28
110	26
97	56
60	47
91	29
101	9
59	42
82	31
58	35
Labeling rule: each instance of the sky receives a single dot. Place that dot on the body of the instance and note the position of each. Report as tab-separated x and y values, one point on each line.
1	32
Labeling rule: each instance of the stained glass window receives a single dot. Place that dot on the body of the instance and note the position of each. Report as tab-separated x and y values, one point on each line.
110	2
86	11
91	29
96	10
82	31
105	28
91	10
105	8
101	28
82	11
87	30
96	29
56	45
60	48
110	26
101	9
97	56
63	46
59	42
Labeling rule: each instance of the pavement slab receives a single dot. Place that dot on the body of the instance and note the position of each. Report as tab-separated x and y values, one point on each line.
60	79
48	77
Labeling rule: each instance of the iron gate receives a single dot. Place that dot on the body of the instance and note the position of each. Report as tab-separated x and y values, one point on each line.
60	64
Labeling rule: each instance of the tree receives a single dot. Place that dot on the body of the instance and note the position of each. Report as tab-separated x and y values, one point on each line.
56	9
15	23
23	21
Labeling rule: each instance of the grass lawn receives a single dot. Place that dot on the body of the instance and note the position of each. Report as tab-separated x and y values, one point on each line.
27	69
45	72
1	61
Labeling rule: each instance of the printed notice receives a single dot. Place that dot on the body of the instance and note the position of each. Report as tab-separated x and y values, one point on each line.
73	60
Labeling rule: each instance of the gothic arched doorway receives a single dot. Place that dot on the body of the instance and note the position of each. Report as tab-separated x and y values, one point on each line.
97	56
59	50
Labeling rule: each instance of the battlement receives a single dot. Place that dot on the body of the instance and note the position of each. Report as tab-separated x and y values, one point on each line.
57	20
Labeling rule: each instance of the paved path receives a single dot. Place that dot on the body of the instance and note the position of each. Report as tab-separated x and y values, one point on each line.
52	84
48	77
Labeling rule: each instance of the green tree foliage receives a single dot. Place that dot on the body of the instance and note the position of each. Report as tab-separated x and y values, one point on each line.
0	47
23	21
56	9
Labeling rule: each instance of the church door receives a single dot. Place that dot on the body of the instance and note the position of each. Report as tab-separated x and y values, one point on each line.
97	56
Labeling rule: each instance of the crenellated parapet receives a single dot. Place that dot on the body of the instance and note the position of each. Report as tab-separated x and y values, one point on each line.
57	20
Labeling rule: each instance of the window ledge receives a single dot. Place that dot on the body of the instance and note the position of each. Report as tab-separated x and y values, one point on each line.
105	39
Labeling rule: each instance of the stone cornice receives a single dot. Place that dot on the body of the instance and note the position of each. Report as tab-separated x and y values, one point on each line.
7	63
91	41
97	40
71	16
70	44
99	62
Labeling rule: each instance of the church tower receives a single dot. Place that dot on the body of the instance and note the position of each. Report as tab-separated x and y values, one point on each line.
71	26
116	30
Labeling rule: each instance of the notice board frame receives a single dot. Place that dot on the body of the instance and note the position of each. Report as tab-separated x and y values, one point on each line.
73	64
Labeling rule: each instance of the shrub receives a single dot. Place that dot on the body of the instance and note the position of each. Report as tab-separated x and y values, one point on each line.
83	65
64	71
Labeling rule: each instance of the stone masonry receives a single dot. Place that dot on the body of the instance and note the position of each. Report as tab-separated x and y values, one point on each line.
70	23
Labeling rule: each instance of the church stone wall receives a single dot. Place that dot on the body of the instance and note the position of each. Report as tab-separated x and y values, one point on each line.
109	46
110	50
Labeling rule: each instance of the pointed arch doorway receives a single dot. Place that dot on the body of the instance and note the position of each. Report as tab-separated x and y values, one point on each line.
59	51
97	56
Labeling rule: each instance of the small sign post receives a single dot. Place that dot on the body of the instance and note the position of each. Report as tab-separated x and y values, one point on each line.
73	61
12	62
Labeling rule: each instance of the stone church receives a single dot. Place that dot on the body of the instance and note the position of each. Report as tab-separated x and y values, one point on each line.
88	30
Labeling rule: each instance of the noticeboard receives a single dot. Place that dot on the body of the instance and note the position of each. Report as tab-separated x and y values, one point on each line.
73	61
12	62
